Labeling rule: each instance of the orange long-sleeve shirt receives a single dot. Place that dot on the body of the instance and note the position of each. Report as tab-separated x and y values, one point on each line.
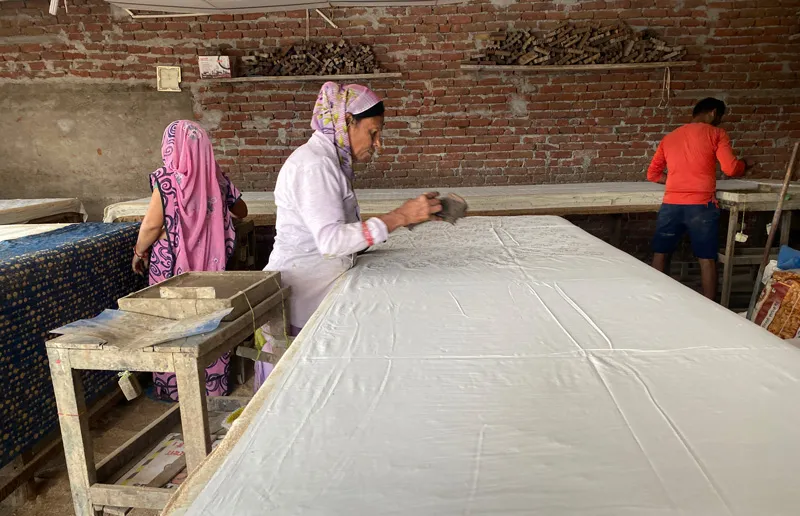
690	154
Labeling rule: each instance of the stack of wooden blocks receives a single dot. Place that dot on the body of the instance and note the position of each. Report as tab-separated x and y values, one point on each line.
572	44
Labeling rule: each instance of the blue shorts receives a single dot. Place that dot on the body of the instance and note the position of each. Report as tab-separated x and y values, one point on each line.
701	221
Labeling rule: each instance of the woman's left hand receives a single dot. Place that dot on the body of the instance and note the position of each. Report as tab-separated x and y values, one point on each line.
141	262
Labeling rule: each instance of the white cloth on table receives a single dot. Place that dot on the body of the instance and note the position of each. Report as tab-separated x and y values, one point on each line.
318	225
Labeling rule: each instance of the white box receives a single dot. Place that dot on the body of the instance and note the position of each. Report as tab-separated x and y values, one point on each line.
215	67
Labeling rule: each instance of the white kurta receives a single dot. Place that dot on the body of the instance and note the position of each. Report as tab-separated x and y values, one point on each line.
318	224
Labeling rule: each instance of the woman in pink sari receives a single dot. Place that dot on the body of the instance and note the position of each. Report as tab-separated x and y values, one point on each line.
188	227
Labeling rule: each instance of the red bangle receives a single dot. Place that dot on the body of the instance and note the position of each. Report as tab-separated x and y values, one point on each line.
140	256
367	234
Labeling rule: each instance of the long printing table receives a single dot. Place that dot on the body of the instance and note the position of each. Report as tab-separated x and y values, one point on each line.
513	366
578	198
557	199
47	280
20	211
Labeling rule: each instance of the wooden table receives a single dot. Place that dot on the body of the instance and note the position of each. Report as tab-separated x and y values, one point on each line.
187	358
41	211
765	199
611	198
557	199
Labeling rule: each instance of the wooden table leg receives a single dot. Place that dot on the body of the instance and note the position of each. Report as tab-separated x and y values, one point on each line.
727	268
786	227
74	421
191	378
616	237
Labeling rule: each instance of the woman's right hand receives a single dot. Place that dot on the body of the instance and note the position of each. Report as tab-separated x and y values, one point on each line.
421	209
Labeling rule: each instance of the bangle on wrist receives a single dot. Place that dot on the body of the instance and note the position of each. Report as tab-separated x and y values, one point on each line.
140	256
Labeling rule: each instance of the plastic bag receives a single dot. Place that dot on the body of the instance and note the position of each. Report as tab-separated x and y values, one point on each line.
788	258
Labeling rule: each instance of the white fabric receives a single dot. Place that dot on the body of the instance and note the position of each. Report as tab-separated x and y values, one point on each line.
514	366
20	211
318	226
14	231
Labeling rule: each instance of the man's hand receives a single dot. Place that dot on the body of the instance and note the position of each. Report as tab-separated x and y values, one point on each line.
662	180
748	164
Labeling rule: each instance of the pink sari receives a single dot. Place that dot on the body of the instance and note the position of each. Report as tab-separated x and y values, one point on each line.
196	198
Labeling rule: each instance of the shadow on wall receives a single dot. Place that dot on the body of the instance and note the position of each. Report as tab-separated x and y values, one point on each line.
97	142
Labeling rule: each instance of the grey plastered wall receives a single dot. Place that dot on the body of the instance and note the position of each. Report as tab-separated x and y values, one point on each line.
97	142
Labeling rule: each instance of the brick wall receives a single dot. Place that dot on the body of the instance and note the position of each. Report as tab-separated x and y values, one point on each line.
445	126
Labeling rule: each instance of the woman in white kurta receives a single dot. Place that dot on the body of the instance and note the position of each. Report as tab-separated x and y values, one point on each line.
319	227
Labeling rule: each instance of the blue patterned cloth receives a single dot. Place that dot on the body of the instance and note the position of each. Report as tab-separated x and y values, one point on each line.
47	281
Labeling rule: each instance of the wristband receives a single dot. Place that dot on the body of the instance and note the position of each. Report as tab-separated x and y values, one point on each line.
367	234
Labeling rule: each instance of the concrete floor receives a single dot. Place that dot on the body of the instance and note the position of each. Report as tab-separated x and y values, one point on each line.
109	431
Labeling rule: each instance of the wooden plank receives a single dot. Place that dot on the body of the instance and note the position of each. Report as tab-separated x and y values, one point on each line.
191	378
137	444
121	360
790	205
130	496
11	482
160	480
235	289
75	341
578	68
188	292
746	259
727	269
320	78
786	227
228	334
74	421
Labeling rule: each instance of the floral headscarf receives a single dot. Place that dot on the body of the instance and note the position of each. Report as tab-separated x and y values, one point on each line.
329	116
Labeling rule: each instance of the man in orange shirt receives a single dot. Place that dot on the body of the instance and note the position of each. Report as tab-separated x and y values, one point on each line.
690	154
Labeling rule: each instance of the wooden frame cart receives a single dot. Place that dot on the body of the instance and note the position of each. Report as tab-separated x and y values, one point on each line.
187	358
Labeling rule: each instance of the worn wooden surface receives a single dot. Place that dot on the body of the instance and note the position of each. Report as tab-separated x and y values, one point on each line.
236	331
187	292
187	359
143	497
231	289
12	478
556	199
140	442
577	68
314	78
74	422
191	378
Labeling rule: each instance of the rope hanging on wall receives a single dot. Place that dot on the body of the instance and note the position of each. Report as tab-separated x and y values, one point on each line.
665	89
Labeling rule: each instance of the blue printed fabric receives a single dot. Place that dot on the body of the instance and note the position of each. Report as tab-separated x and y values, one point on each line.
47	281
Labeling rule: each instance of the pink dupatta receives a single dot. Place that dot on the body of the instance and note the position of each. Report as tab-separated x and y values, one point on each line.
199	227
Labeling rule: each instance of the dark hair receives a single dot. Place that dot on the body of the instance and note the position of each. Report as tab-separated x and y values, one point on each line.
708	105
376	110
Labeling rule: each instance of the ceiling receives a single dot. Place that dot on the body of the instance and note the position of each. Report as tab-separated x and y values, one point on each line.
245	6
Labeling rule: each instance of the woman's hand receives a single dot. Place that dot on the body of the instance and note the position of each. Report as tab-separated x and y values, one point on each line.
421	209
141	262
413	211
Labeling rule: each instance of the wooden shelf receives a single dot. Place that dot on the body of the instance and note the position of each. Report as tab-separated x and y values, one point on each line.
577	68
295	78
